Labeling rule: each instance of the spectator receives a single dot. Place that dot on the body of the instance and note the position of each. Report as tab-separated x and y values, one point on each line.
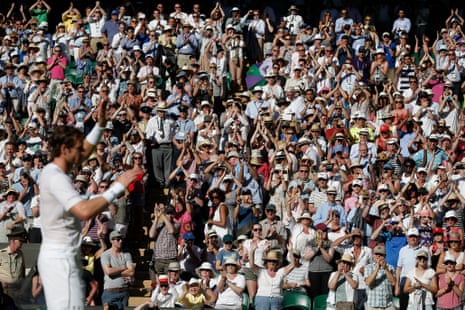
119	272
165	230
230	286
380	280
13	268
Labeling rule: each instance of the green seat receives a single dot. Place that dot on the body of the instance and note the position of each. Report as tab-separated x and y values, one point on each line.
296	301
319	302
245	301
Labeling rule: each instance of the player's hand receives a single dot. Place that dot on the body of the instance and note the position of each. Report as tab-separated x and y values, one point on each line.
129	176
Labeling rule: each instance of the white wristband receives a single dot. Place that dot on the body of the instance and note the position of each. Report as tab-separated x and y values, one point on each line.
95	134
113	192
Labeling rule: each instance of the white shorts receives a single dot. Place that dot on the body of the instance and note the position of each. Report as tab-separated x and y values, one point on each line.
60	270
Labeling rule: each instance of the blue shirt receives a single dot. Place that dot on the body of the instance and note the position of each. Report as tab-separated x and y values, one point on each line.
183	129
110	28
173	109
439	156
188	46
14	91
323	210
223	255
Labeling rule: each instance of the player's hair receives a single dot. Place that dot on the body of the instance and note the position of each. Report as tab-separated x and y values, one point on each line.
63	135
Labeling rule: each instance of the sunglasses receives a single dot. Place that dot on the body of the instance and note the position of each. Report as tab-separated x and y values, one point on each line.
117	239
258	229
164	285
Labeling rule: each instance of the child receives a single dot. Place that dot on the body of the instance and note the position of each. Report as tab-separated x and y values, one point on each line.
193	295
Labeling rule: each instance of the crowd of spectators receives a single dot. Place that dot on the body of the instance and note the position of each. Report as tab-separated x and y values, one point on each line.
339	171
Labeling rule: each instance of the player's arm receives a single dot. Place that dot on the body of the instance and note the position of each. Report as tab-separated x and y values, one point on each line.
86	209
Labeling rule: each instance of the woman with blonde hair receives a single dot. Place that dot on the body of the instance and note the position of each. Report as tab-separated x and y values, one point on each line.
421	284
342	284
270	279
230	286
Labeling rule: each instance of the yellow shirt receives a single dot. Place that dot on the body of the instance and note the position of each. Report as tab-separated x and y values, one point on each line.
190	300
355	134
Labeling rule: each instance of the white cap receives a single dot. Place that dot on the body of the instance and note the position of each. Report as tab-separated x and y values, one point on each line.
194	176
136	48
279	167
413	232
228	177
383	187
450	214
322	175
357	182
449	258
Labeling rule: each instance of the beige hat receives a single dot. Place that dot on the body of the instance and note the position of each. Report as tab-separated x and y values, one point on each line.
379	249
161	106
271	256
346	258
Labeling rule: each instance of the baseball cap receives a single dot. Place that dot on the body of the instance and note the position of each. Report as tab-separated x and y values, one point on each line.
413	232
188	236
115	234
379	249
228	238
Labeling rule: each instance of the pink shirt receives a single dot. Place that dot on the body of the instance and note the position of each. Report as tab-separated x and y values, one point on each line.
451	299
57	72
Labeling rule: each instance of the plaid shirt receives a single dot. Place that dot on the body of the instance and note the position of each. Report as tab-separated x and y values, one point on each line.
166	245
380	293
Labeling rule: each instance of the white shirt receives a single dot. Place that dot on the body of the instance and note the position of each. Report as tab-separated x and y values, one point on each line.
96	27
401	24
58	196
270	286
293	23
154	129
228	297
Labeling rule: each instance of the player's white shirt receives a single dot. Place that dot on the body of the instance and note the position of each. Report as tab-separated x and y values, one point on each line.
57	195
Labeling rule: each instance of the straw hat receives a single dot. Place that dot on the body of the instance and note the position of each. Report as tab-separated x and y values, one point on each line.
347	258
271	256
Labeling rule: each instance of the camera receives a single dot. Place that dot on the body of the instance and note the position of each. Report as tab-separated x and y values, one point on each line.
329	167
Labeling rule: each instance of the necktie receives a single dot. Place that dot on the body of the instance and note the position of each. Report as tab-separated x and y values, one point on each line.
162	128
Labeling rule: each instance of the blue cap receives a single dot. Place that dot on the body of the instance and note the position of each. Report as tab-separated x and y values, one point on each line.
388	166
114	12
114	140
188	236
